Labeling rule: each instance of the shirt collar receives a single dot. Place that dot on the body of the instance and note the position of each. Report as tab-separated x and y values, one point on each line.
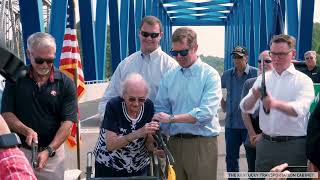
153	54
193	68
54	73
246	70
290	70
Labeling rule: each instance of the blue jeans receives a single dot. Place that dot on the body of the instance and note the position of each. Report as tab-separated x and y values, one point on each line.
234	139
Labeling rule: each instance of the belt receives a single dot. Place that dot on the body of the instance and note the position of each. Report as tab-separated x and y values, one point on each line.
281	138
186	136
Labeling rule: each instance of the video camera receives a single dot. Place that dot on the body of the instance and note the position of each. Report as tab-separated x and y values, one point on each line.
11	67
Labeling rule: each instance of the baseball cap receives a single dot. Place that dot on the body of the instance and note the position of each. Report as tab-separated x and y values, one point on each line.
239	50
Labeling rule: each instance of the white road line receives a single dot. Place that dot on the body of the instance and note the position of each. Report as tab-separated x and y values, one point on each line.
88	118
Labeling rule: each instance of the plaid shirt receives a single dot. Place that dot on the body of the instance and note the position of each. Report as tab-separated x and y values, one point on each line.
15	166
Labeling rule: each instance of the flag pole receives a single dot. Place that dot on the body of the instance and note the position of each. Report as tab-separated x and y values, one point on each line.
78	120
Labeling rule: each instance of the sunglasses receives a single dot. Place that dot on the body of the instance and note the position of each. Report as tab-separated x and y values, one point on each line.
42	60
266	61
183	52
307	58
134	99
146	34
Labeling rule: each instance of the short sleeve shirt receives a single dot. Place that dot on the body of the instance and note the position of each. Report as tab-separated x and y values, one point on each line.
234	85
134	156
41	108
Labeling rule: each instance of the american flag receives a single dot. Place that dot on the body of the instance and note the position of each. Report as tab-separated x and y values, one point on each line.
70	63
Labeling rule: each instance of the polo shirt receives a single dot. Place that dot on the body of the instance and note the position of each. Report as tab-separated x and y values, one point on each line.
41	108
134	156
314	74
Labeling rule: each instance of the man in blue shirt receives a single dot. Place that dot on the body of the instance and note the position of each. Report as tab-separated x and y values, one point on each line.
233	80
187	104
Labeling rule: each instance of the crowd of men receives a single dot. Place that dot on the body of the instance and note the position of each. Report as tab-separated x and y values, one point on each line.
267	109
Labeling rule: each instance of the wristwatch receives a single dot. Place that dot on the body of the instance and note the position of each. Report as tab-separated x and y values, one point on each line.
51	151
9	140
172	118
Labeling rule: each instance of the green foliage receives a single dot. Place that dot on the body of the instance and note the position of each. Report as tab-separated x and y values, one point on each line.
108	50
216	62
316	40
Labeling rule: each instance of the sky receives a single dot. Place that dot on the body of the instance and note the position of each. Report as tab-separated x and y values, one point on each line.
211	38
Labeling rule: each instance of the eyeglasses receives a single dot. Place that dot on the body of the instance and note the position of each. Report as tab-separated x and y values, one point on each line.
307	58
279	54
183	52
139	99
146	34
42	60
265	61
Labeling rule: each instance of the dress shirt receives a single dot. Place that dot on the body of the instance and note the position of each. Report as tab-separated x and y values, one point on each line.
234	84
151	67
196	91
291	86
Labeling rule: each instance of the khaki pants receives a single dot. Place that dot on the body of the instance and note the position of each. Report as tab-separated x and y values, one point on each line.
195	158
54	169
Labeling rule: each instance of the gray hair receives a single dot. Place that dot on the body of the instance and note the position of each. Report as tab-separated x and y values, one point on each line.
313	53
40	40
263	53
134	78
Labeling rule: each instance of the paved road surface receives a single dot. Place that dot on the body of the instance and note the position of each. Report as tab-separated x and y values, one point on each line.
90	130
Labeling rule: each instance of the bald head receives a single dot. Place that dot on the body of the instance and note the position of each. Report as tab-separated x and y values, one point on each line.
267	61
134	82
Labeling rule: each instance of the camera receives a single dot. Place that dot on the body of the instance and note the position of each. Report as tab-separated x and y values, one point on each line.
11	67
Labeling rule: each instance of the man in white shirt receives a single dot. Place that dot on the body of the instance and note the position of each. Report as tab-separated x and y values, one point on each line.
151	62
290	94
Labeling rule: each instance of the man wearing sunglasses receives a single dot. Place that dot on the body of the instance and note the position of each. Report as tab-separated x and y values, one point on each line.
41	107
312	70
187	105
232	80
151	62
289	96
251	121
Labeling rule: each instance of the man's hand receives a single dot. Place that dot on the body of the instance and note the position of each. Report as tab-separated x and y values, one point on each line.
161	117
43	157
254	139
31	136
280	168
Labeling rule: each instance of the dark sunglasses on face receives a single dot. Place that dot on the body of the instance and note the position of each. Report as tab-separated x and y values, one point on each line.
307	58
265	61
146	34
139	99
42	60
183	52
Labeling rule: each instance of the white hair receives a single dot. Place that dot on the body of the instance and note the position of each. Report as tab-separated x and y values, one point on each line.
40	40
313	53
134	78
